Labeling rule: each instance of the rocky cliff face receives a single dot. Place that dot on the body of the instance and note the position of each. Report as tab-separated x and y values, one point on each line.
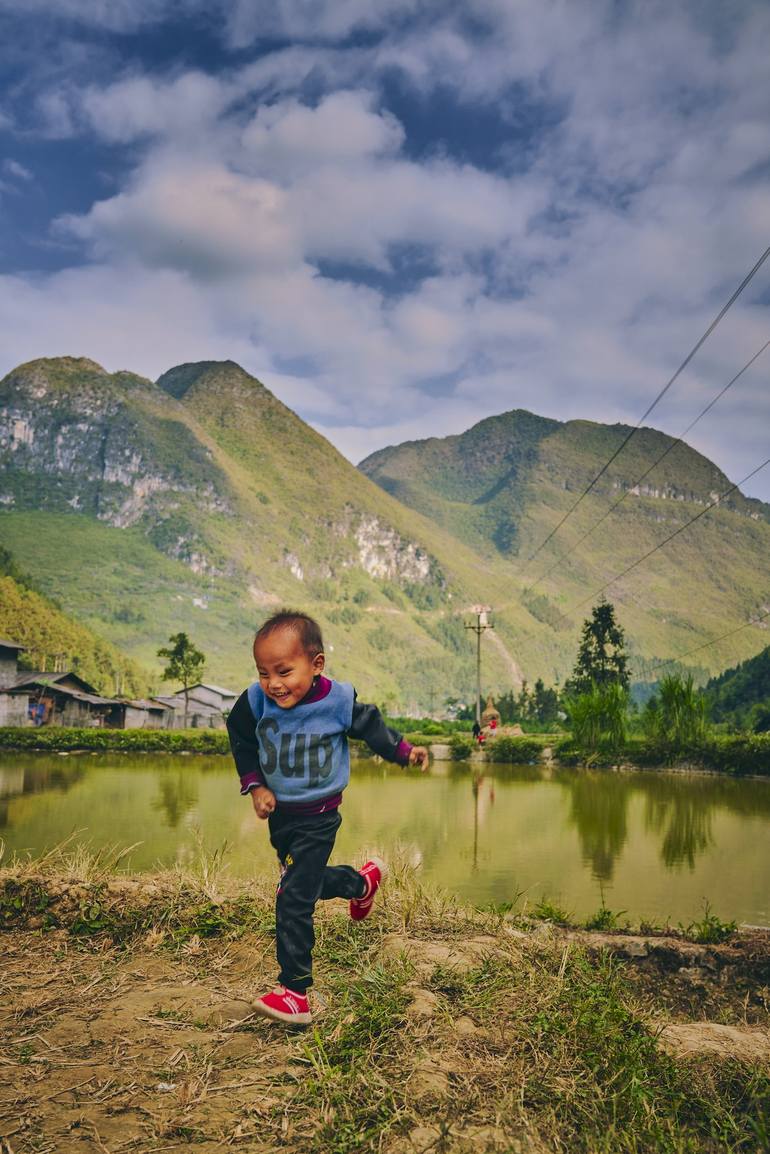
75	438
208	468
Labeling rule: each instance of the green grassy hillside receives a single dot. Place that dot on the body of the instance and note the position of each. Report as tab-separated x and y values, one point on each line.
269	514
506	483
200	503
33	620
741	696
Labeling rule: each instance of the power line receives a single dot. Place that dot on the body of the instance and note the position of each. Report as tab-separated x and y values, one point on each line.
563	556
698	648
666	540
749	276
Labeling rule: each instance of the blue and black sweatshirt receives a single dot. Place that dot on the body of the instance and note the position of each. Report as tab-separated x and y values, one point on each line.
301	754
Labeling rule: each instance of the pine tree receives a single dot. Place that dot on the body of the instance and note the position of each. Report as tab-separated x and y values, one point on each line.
545	704
601	659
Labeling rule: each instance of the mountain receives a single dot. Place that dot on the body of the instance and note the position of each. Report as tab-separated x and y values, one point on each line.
504	485
200	502
741	696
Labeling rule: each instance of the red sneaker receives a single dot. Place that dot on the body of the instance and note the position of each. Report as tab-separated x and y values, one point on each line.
284	1005
372	873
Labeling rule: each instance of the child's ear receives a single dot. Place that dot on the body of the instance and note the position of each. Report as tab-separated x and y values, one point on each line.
319	661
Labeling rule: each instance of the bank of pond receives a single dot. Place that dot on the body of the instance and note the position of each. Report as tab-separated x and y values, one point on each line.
739	754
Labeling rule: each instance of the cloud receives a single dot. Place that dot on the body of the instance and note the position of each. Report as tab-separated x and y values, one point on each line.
289	214
321	183
136	106
289	139
141	321
193	216
15	170
324	20
112	15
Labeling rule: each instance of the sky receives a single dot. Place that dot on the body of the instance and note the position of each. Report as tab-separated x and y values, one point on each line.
402	217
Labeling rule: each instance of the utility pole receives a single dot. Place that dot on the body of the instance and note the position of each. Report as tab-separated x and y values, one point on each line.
480	626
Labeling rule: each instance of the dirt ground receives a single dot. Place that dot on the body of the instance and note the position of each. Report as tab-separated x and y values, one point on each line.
137	1047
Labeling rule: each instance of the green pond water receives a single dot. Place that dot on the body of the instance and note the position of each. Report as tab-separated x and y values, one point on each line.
654	844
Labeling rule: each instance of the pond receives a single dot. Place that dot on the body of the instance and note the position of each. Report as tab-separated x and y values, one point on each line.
655	844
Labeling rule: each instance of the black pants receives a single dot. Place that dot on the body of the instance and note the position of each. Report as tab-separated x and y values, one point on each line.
304	844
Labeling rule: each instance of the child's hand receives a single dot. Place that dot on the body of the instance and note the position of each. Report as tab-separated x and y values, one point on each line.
263	800
419	756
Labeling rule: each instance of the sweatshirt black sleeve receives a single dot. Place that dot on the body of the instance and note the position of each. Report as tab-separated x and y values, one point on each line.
243	743
368	725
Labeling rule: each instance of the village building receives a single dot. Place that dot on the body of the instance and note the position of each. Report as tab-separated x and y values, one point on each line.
43	697
207	706
60	699
13	709
142	714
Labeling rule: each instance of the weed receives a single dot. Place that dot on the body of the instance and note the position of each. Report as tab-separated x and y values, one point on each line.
548	911
710	929
92	917
605	918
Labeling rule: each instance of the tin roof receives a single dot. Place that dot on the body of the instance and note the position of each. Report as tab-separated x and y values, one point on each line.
4	644
213	688
52	679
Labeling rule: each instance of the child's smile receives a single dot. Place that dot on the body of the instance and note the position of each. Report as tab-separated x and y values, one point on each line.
286	671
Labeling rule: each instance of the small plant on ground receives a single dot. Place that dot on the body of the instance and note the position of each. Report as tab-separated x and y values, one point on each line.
548	911
710	929
606	919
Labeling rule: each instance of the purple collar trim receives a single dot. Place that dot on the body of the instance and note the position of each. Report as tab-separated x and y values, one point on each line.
317	692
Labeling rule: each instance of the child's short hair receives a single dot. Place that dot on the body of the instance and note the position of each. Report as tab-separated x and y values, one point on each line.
307	629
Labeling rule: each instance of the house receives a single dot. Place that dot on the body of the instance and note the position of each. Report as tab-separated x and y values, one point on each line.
42	697
207	706
141	714
14	709
60	699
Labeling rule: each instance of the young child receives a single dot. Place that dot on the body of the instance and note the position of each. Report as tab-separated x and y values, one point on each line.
288	734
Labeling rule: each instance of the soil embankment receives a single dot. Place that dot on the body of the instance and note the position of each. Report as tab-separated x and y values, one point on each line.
126	1026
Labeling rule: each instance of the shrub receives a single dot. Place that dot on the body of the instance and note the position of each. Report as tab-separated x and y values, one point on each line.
460	747
519	750
598	718
675	717
134	740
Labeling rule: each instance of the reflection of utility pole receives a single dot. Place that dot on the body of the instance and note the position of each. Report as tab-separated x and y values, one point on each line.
475	786
481	625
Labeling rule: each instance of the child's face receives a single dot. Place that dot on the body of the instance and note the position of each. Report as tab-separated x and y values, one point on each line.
286	671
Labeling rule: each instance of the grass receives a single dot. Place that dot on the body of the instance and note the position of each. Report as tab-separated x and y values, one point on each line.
556	1053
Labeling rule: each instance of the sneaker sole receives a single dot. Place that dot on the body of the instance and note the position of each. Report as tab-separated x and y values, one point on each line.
383	868
295	1021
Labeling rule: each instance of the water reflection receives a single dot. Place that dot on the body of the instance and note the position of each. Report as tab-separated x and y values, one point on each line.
679	809
599	810
658	841
483	798
32	777
684	818
178	794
